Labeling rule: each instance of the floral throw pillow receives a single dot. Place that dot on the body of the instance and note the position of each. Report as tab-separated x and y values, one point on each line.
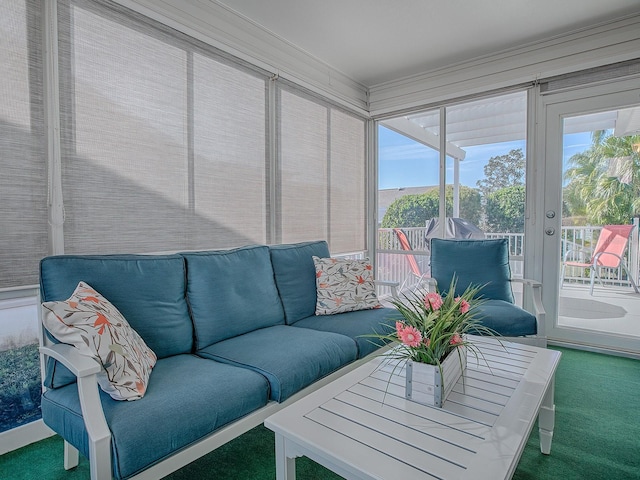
89	322
344	286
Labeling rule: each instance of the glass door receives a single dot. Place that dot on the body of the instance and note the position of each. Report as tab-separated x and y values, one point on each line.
456	171
591	210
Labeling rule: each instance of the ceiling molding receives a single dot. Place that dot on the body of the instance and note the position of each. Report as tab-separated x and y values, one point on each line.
223	28
587	48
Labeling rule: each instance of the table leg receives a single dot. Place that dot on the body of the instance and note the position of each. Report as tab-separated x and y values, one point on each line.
285	466
546	419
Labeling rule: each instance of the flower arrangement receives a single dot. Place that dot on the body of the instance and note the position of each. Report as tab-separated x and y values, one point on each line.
432	324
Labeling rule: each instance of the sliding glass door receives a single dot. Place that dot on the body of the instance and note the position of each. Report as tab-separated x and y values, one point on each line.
455	171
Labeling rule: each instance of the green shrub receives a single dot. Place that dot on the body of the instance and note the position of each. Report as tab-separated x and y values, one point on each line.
20	386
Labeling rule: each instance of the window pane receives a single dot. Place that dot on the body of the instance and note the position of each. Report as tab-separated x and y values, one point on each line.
322	173
347	176
303	166
164	145
484	181
23	183
229	155
125	166
23	207
408	196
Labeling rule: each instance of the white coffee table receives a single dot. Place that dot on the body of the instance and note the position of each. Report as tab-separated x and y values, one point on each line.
361	426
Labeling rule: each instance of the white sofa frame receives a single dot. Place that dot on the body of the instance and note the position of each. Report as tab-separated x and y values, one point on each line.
86	370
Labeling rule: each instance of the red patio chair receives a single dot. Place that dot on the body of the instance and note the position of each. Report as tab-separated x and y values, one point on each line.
610	247
416	271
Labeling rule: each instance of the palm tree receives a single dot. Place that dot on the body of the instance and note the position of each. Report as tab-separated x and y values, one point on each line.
604	181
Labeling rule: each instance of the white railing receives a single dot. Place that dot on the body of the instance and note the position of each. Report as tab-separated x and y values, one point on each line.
393	264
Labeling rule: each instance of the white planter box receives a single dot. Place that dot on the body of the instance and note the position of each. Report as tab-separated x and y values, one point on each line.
425	384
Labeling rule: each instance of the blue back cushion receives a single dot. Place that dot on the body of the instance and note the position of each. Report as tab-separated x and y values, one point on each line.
295	275
149	290
231	292
473	262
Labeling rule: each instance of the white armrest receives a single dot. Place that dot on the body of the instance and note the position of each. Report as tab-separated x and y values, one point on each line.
535	289
392	285
85	369
79	365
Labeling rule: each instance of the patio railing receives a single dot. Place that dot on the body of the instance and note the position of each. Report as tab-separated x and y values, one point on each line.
393	264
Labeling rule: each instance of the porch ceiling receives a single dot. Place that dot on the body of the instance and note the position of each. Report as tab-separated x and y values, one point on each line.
374	42
500	119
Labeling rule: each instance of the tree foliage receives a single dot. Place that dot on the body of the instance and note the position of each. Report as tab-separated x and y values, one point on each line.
415	210
505	210
604	181
503	171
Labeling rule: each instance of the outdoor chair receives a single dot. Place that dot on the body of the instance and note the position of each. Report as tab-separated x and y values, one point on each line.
485	263
612	243
416	276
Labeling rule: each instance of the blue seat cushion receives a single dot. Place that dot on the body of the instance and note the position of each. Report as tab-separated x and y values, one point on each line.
473	262
291	358
355	325
507	319
231	292
295	275
188	398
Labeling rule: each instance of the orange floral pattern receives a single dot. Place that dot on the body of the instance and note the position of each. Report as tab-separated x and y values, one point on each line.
89	322
344	286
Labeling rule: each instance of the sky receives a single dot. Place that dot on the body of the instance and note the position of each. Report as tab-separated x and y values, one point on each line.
406	163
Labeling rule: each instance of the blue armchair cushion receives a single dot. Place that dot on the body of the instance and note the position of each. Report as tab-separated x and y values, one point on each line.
231	292
507	319
473	262
295	275
176	411
291	358
355	325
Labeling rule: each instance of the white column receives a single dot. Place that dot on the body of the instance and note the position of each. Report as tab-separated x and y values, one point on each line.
456	188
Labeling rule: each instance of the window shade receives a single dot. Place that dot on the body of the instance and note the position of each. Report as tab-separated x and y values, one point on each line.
23	182
163	143
604	73
322	172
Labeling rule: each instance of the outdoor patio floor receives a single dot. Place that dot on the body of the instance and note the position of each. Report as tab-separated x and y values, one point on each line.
610	309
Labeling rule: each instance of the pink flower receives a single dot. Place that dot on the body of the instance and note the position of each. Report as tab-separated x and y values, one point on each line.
433	300
456	339
399	328
464	305
411	337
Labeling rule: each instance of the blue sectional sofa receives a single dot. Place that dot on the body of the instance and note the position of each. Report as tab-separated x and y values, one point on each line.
236	339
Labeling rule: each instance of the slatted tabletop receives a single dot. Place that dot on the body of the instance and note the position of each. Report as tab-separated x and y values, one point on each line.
362	427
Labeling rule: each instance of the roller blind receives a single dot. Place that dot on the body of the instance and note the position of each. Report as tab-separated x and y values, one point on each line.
164	145
163	141
23	179
615	71
322	172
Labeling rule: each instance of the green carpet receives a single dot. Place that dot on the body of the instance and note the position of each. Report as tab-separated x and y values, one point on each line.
597	436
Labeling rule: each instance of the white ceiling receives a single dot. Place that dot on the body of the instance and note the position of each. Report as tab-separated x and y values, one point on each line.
374	41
